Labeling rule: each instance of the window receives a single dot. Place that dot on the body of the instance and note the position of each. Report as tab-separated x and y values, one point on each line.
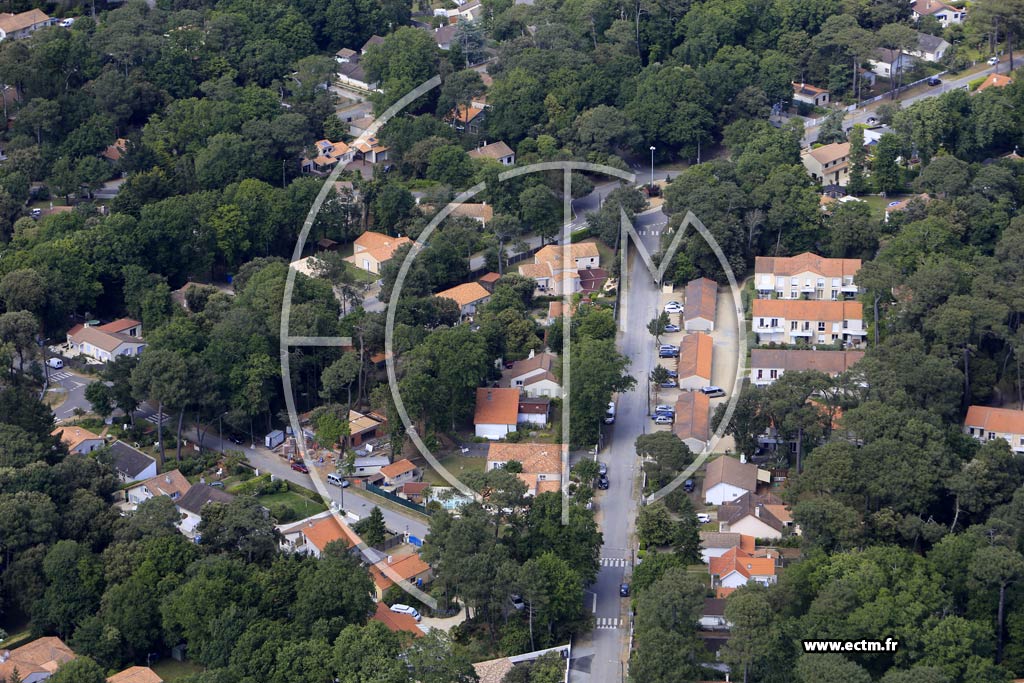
835	295
760	322
774	374
821	326
795	282
835	337
991	435
821	283
835	282
846	324
775	322
760	375
793	325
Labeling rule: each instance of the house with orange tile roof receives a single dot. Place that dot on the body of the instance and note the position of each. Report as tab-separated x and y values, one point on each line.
400	472
716	543
23	24
497	412
994	81
101	344
794	321
468	295
828	164
371	250
407	567
115	151
701	305
326	156
311	535
693	420
756	516
370	150
556	268
35	661
767	365
694	363
736	568
806	276
987	424
542	464
809	94
172	484
469	119
136	674
78	440
404	624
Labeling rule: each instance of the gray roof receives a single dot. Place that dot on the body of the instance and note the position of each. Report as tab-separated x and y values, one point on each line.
201	494
129	461
714	607
929	43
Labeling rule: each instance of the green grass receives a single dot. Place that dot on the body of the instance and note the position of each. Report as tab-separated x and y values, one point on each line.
171	670
361	275
457	465
300	505
878	204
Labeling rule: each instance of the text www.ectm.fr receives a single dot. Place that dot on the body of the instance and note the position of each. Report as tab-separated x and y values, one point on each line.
887	645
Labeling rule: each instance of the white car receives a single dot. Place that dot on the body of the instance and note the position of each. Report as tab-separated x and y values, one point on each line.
703	517
992	61
662	420
664	408
66	23
673	307
671	328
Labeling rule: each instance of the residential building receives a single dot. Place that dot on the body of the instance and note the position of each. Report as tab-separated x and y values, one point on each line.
497	412
726	479
767	365
542	464
534	376
371	42
701	305
558	270
190	506
362	428
328	155
489	281
828	164
692	423
136	674
131	464
469	296
413	491
370	150
105	342
737	568
994	81
172	484
985	424
350	70
35	661
498	151
534	410
444	35
23	24
582	255
929	48
79	440
716	543
467	119
945	14
311	536
808	94
400	472
712	617
787	321
483	213
694	364
889	63
114	152
371	250
754	515
403	624
370	465
806	276
405	568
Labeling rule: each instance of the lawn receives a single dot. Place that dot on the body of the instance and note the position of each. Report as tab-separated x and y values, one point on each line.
361	275
878	204
457	464
171	670
300	506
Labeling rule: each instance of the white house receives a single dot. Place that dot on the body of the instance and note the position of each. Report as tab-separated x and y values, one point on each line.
806	276
929	48
35	661
23	24
468	295
694	365
497	412
542	464
717	543
753	515
534	375
370	465
534	410
888	63
701	305
498	151
986	424
808	94
172	484
945	14
788	321
311	535
726	479
190	506
738	568
79	440
767	365
105	342
400	472
131	464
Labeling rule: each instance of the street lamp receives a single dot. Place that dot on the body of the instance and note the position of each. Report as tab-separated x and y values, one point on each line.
652	168
220	429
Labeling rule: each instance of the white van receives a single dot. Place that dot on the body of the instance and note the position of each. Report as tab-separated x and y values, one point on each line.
334	479
405	609
609	415
55	363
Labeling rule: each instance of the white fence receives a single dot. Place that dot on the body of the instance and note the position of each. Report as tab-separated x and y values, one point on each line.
854	107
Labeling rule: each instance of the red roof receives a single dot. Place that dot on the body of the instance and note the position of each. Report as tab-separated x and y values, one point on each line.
400	623
497	406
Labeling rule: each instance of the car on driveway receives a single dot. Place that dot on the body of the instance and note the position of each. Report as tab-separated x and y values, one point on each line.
668	351
300	467
672	328
602	469
673	307
664	408
669	384
663	419
703	517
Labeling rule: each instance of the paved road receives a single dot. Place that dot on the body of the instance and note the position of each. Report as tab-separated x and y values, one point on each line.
861	115
351	499
602	657
74	386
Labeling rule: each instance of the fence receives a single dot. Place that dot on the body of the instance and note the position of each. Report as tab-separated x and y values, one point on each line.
396	499
877	98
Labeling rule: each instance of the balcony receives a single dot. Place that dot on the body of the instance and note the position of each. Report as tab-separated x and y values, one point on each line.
801	333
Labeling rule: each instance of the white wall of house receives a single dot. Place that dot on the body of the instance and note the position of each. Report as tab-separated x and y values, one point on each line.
90	445
713	622
694	382
695	444
148	473
494	431
723	492
544	387
189	522
532	418
707	553
752	526
699	325
1016	441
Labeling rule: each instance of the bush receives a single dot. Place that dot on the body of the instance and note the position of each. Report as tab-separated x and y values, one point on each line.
282	513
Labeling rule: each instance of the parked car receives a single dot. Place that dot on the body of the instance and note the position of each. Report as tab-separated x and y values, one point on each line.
300	467
669	384
36	213
872	121
235	439
668	353
517	601
688	485
663	419
609	415
672	328
664	408
602	469
603	483
66	23
934	81
405	609
703	517
713	391
216	484
624	590
55	363
992	61
673	374
673	307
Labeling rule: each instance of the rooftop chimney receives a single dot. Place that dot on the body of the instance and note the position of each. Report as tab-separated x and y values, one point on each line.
4	655
167	478
757	510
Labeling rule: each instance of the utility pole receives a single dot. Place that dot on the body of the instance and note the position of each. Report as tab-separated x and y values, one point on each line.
652	168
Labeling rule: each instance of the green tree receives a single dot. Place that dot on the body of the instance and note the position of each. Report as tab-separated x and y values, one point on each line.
241	527
997	567
598	372
79	670
857	184
884	171
540	210
339	375
829	666
755	633
657	326
371	528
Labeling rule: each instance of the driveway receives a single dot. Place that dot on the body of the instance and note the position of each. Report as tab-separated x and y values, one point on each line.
73	385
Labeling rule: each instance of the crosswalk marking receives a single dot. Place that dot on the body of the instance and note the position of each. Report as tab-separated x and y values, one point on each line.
608	622
157	418
60	375
613	562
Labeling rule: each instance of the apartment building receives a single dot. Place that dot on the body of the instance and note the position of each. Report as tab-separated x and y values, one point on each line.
806	276
797	321
767	365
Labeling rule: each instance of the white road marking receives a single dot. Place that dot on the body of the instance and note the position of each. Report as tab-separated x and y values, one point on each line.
607	623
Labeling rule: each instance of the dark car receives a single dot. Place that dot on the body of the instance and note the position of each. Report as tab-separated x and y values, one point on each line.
688	485
300	467
673	373
603	483
934	81
235	439
669	384
216	484
624	590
